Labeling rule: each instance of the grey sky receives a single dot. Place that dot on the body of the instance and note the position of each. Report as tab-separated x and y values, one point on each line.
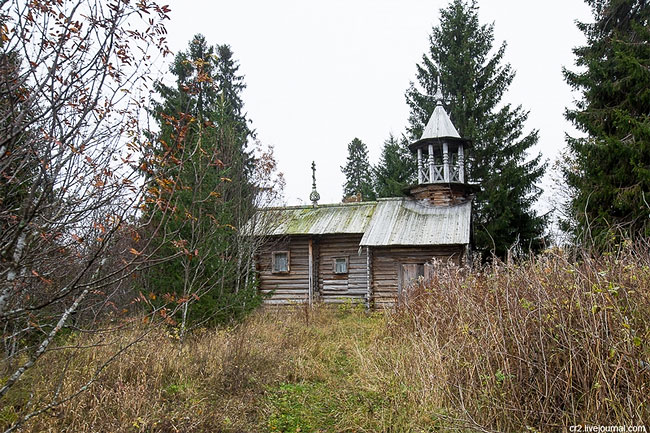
321	73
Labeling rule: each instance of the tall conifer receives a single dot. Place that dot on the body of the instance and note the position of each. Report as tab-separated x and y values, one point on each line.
358	174
609	167
396	168
474	79
202	155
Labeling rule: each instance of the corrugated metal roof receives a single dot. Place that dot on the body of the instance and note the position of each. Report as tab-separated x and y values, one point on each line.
408	222
439	125
393	221
307	220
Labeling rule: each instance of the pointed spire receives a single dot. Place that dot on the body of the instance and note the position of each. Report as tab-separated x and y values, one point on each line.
438	96
314	196
439	124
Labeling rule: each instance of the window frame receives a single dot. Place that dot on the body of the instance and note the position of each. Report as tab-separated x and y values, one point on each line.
273	256
347	265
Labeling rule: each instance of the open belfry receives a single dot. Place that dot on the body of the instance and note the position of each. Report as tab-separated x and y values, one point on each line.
441	160
372	252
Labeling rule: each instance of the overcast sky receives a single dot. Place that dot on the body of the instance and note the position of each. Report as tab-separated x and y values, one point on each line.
321	73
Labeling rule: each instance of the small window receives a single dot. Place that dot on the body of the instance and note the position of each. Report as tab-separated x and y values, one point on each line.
280	261
340	265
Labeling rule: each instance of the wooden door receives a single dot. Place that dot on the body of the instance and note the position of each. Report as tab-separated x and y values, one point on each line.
410	275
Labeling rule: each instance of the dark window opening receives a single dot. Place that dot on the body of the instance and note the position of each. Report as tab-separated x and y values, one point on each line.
420	271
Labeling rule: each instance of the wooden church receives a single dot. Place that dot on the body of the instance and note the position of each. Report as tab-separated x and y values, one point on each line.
371	252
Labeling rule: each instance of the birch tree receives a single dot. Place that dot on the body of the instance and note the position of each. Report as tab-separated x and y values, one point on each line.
74	78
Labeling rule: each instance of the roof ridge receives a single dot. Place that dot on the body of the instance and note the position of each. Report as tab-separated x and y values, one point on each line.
326	205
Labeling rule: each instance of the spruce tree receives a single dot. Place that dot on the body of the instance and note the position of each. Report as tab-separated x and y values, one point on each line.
230	85
474	79
203	163
357	170
396	168
609	167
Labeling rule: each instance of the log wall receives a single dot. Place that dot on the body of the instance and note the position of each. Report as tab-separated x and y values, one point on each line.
386	263
339	288
285	288
442	194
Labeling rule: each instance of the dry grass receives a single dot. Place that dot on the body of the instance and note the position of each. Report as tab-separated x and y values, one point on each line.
541	345
536	346
218	380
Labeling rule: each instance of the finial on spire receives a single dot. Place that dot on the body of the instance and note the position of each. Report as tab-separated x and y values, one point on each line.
438	96
314	196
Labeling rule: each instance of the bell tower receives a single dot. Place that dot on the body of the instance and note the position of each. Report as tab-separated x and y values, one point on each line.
441	160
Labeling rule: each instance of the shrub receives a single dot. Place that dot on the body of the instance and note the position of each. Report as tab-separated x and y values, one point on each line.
545	343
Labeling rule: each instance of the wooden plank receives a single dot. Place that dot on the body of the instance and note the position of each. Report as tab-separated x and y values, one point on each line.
359	300
283	302
283	292
276	295
311	272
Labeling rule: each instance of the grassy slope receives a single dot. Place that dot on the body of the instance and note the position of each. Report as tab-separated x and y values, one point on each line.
539	346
